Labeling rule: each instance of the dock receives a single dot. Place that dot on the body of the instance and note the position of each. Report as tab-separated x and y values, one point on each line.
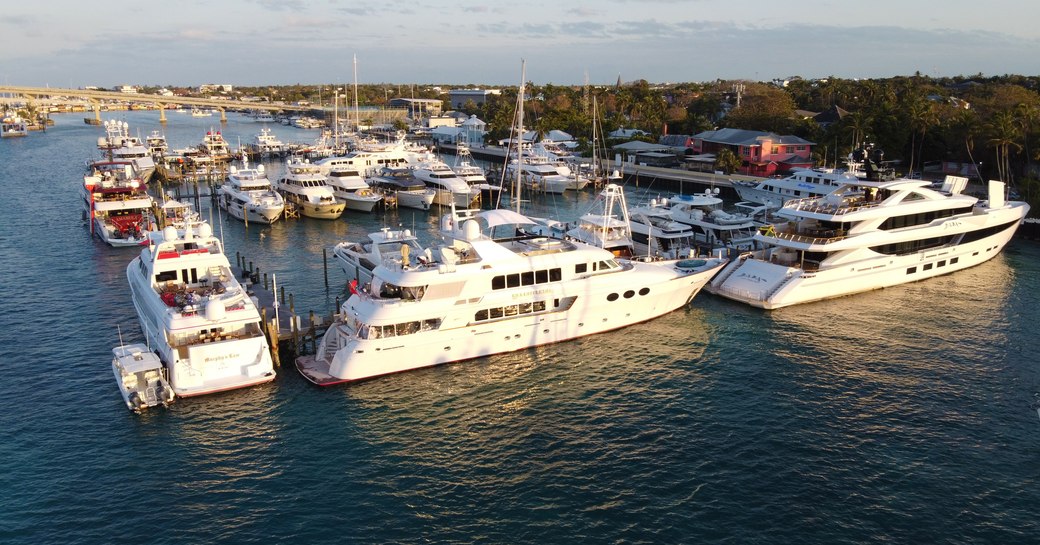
289	333
679	180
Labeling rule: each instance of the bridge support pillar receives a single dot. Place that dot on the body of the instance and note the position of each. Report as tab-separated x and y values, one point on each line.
223	115
162	112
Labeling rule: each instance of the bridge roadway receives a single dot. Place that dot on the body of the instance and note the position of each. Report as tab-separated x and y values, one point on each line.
161	102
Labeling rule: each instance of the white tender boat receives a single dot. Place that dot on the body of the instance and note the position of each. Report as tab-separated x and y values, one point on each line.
868	235
191	307
247	195
349	186
141	377
304	187
118	206
492	288
359	259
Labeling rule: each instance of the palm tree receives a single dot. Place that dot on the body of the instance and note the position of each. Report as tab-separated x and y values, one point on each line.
921	113
1004	133
857	124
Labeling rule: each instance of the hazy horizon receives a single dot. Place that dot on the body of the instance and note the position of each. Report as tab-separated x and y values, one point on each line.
62	43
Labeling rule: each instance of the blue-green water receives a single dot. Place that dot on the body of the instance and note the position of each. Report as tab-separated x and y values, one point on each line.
898	416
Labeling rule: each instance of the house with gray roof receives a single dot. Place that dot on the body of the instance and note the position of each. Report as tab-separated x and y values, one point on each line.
762	153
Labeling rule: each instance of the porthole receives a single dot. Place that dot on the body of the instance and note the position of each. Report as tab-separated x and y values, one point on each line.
644	291
629	294
612	297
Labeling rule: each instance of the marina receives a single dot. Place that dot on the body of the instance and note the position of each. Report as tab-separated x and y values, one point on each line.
901	414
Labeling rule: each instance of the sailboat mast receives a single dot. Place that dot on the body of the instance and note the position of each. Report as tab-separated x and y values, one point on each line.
520	133
357	114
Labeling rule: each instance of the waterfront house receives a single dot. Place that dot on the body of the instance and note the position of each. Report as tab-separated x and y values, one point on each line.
761	153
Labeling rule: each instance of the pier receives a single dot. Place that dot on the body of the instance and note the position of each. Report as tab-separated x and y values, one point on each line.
671	179
289	334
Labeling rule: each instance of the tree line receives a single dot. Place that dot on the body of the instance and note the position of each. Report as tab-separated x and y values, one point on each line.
915	119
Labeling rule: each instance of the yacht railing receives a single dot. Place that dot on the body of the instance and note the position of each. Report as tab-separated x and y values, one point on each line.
822	236
821	205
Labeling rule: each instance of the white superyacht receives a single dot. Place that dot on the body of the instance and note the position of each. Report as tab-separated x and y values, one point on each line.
491	288
193	311
868	235
247	195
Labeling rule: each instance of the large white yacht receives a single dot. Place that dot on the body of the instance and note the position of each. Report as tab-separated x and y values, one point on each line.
449	188
867	235
475	177
371	158
713	226
118	206
215	147
400	187
492	288
862	163
350	186
267	144
537	174
656	233
195	313
118	146
247	195
304	186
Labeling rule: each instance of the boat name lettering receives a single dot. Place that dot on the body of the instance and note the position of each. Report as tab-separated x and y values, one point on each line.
526	294
752	277
221	357
952	224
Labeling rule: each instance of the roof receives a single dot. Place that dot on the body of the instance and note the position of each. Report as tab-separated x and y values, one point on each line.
831	115
558	136
638	145
742	137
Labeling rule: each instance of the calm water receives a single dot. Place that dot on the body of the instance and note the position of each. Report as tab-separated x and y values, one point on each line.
897	416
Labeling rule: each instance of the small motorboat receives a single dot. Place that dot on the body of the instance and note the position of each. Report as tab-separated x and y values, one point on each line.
140	376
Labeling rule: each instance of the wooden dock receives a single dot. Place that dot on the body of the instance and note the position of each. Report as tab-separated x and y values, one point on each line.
289	333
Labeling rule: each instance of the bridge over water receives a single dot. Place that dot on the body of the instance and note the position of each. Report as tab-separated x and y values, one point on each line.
159	101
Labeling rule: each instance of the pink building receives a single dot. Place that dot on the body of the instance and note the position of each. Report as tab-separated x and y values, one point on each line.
762	153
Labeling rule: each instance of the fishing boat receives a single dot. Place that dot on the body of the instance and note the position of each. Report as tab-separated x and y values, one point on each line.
141	377
193	310
867	235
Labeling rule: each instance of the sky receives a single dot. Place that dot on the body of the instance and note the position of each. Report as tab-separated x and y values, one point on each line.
76	43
